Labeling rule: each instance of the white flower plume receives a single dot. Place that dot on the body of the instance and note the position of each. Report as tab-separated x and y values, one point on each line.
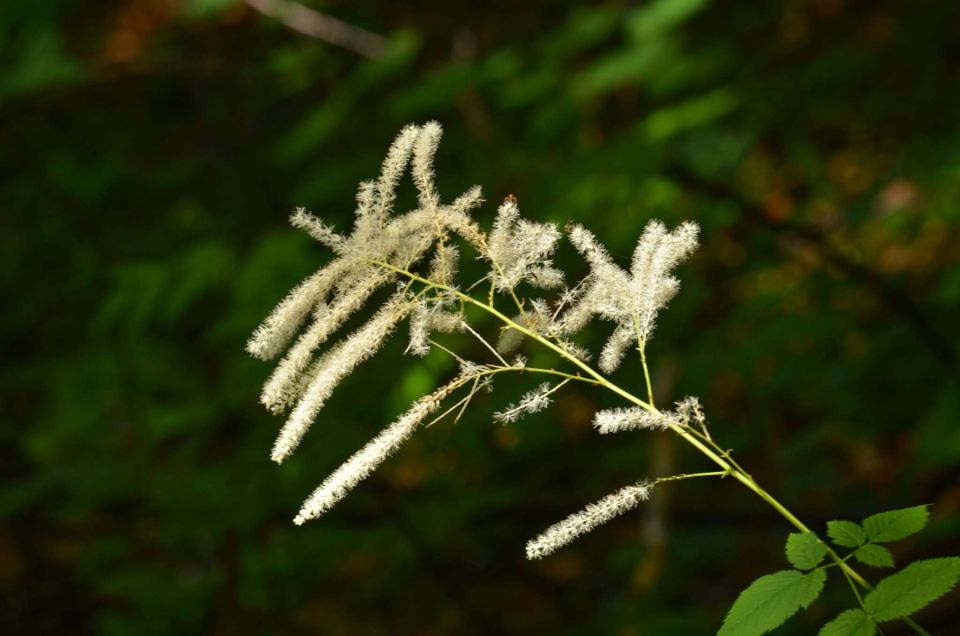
593	515
531	402
418	251
367	459
335	365
521	250
626	419
439	313
337	291
690	410
632	300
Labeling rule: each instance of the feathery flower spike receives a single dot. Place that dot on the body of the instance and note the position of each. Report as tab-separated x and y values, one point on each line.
632	300
521	250
367	459
335	365
593	515
626	419
342	287
531	402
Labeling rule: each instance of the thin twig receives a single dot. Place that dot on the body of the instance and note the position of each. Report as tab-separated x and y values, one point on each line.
485	343
322	26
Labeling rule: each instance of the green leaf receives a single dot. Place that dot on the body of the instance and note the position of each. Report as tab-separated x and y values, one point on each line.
912	588
875	555
896	524
850	623
805	550
770	600
846	533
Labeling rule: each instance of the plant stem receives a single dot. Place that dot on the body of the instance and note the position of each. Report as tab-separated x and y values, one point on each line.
642	348
717	456
646	373
712	473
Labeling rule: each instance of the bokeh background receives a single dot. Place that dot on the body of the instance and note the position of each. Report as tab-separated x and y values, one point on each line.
150	151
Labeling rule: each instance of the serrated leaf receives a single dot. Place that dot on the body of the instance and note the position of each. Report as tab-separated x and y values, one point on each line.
846	533
850	623
896	524
912	588
770	600
875	555
805	550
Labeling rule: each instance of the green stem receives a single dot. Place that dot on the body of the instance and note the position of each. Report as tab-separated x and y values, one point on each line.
856	592
570	376
642	348
713	473
921	631
717	456
646	373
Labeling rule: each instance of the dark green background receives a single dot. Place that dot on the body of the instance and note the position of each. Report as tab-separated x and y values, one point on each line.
150	152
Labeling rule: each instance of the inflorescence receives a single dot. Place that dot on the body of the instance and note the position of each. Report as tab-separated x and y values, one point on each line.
385	250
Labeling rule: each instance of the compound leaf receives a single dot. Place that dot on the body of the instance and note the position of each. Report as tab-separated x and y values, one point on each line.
770	600
846	533
805	550
896	524
850	623
875	555
912	588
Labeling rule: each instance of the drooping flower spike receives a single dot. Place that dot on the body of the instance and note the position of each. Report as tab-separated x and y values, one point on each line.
384	248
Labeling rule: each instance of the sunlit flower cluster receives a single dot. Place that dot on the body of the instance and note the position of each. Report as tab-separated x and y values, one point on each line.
417	254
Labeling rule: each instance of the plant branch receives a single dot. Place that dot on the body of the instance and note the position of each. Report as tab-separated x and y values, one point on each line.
322	27
720	458
713	473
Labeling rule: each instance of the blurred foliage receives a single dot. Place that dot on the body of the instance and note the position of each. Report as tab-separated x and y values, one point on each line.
152	148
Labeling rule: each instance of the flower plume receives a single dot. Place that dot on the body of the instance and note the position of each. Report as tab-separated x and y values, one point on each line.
302	381
613	505
629	299
616	420
531	402
417	253
368	458
521	250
